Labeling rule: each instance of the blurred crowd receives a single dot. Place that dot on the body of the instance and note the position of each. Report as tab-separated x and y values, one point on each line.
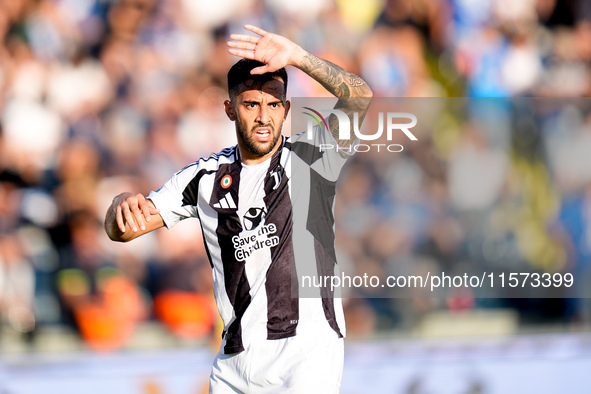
103	96
500	186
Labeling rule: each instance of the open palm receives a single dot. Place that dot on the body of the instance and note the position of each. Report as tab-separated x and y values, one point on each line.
274	50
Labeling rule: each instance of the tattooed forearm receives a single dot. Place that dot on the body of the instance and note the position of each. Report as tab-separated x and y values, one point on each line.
343	90
335	79
353	93
310	62
356	81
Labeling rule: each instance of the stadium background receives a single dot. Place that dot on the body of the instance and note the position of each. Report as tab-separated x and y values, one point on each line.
103	96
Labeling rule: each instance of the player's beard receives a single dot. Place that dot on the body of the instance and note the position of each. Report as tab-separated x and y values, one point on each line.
255	147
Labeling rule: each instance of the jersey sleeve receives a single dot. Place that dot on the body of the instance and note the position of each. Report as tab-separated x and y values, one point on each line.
177	198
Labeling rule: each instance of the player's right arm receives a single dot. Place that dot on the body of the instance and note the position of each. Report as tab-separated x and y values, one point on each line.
131	215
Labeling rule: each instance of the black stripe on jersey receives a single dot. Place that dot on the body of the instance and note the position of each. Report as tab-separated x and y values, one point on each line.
191	191
307	152
325	265
236	282
227	152
320	215
321	223
282	306
190	195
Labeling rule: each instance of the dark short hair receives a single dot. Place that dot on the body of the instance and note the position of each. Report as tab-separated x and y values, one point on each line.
240	72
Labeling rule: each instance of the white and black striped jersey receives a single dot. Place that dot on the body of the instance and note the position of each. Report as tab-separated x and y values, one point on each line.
257	221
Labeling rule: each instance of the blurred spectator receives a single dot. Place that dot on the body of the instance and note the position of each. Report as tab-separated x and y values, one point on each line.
392	61
17	277
476	172
17	282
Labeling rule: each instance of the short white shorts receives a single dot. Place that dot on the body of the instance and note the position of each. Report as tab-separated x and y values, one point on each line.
310	362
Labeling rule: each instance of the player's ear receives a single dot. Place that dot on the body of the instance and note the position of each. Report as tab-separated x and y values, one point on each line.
287	107
229	108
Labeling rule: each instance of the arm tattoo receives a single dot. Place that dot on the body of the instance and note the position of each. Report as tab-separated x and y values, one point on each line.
335	79
311	61
353	93
356	81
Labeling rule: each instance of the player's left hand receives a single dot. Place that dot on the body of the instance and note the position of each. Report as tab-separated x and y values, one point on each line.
274	50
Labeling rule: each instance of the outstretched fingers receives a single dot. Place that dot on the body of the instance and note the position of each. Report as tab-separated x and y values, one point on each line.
242	53
245	45
242	45
273	50
244	38
255	29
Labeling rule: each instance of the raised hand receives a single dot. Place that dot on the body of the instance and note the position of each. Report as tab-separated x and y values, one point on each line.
274	50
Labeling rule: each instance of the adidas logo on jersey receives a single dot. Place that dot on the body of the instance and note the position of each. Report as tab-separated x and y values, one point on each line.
226	202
